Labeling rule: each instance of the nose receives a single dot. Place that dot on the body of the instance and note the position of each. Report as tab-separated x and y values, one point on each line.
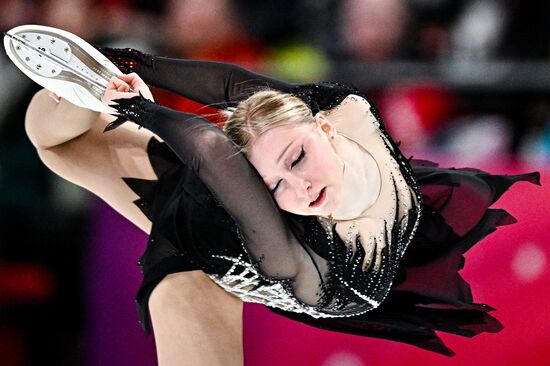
302	187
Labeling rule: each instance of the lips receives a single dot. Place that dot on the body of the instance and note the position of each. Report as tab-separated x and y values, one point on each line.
320	198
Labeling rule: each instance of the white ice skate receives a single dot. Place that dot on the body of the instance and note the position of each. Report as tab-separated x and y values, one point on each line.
62	63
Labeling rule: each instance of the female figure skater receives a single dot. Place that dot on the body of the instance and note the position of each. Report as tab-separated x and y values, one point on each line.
302	202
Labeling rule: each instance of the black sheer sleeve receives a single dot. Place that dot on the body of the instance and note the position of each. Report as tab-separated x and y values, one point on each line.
237	186
219	84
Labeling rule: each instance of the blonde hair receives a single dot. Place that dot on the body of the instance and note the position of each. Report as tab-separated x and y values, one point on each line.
261	112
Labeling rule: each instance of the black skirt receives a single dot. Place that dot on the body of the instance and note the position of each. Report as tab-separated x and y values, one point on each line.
428	294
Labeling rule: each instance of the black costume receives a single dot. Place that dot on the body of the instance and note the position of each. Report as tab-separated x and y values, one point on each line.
211	211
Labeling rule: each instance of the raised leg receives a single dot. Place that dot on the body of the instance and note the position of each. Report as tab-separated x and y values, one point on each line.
195	322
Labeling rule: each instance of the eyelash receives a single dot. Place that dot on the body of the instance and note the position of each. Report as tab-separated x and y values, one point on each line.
294	163
300	157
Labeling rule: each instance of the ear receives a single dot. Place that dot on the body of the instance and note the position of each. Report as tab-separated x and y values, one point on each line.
326	127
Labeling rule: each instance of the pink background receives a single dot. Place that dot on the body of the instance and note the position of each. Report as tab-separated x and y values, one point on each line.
508	270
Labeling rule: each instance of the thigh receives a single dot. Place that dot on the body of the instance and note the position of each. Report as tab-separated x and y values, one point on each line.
95	160
196	322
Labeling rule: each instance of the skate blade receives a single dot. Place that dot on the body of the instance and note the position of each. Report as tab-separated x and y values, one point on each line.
62	63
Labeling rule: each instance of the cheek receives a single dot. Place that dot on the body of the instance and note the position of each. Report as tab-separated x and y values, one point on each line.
327	166
282	200
317	162
286	203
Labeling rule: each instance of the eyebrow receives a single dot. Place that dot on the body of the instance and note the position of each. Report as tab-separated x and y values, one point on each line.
284	151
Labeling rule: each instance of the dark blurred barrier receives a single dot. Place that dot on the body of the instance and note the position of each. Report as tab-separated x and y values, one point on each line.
477	76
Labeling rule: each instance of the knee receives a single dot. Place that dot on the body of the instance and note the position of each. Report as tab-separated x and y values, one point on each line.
194	292
39	104
49	123
39	108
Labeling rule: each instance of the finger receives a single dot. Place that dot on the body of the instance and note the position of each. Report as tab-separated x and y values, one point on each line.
115	81
137	85
123	87
134	80
112	85
131	78
119	85
122	95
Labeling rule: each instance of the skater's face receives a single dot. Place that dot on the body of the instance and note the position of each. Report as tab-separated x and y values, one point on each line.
300	166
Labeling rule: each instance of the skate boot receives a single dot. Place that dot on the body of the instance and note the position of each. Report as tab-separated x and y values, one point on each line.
62	63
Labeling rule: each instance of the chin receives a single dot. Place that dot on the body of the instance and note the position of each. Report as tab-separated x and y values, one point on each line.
296	212
324	211
330	206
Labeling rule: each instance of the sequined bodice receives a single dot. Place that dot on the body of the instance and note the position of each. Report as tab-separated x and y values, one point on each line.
348	290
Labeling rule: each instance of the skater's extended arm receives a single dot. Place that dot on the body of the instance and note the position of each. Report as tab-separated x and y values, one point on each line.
218	84
213	83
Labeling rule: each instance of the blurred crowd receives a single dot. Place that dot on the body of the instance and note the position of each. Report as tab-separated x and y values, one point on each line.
43	219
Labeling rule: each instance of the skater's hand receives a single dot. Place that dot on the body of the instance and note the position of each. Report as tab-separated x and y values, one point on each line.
137	85
116	89
126	86
119	85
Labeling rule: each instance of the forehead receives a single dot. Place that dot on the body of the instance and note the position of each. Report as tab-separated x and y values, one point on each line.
266	149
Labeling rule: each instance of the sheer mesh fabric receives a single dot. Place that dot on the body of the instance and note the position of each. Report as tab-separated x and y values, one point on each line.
217	84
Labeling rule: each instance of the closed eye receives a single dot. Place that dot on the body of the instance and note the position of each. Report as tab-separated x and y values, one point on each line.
302	154
297	161
272	191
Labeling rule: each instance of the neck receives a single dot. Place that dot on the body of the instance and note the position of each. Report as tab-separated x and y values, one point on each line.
361	180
